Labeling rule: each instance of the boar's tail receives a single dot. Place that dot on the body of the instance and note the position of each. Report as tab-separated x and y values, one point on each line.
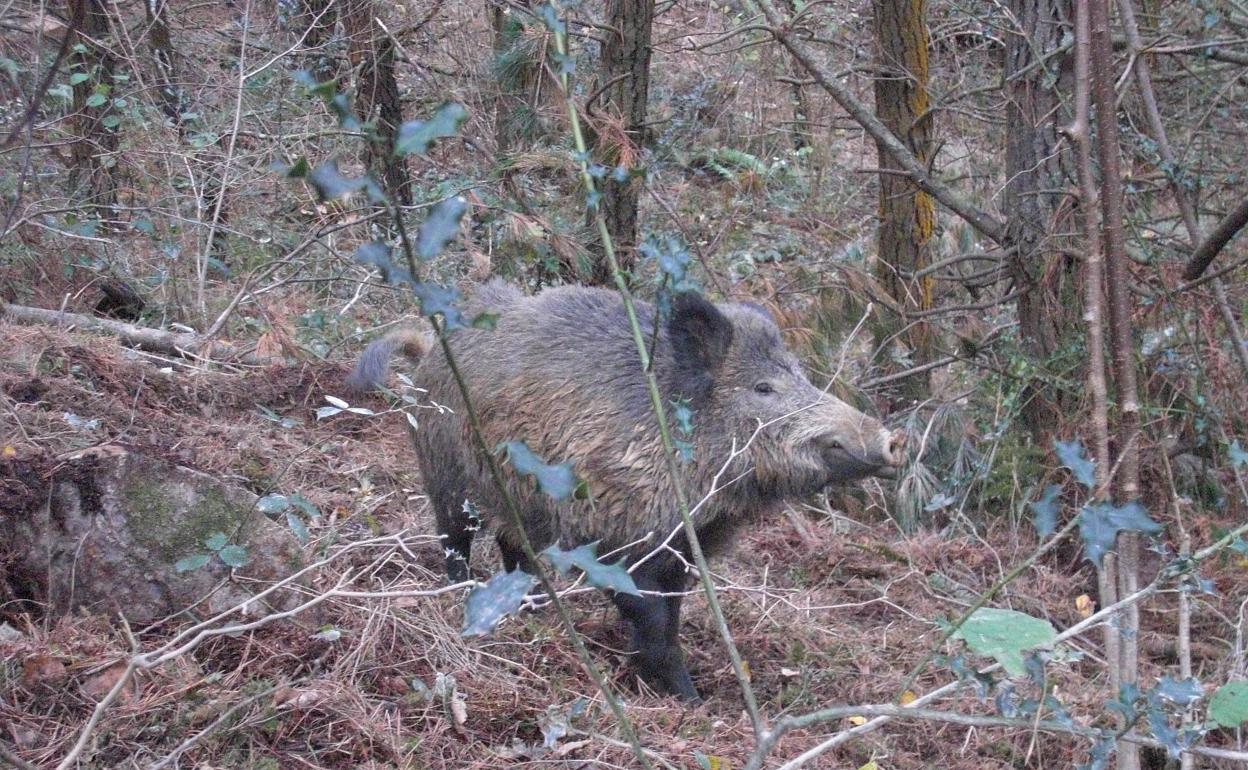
371	370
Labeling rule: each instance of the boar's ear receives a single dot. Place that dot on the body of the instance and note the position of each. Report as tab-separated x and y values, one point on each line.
701	337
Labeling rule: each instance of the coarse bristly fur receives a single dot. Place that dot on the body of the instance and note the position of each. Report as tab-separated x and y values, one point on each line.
561	373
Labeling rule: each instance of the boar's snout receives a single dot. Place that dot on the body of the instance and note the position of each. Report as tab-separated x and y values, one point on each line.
872	450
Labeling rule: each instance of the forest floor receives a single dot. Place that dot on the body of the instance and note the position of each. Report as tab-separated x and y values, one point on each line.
829	605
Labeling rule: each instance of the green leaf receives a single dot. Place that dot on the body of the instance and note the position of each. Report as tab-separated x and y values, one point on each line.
1229	705
234	556
490	603
216	541
440	300
486	321
327	411
78	77
96	100
329	182
1100	523
440	227
612	577
416	136
1072	455
1238	456
1182	692
191	562
1046	510
305	505
558	481
297	527
271	505
1005	635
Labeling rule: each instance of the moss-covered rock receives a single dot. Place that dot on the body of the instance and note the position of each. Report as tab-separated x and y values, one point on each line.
121	532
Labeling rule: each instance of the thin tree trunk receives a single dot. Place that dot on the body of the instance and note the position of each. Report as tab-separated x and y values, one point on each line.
171	96
1048	309
1080	132
94	153
1120	307
907	213
372	56
626	76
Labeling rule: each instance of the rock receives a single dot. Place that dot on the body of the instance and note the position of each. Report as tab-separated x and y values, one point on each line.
116	526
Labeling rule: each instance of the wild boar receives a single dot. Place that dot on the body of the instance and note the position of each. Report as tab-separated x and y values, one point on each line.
560	371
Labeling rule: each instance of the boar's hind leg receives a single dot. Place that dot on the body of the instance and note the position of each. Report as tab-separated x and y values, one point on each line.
513	556
655	622
448	492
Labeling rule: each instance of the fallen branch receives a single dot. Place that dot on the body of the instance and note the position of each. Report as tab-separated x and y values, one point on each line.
184	344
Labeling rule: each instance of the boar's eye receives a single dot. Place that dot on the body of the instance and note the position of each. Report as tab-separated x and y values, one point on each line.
764	387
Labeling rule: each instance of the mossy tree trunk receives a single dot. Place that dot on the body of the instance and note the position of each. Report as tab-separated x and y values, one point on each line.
1036	184
625	78
907	214
372	55
95	121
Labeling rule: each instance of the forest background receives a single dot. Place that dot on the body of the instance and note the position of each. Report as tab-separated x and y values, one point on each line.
1009	227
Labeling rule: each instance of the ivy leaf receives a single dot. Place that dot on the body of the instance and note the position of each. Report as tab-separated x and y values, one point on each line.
1100	523
416	136
216	541
191	562
298	528
1005	635
1238	456
234	556
490	603
1071	454
305	505
440	227
612	577
1046	510
1182	692
558	481
440	300
271	505
1229	705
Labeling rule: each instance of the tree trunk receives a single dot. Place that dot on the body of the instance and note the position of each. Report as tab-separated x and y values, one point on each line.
1048	310
626	75
372	55
94	152
907	214
316	22
171	96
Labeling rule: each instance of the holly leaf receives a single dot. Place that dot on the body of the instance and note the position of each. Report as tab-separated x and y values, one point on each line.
330	184
440	300
298	527
1005	635
1046	510
1182	692
440	227
1229	705
1100	523
417	136
490	603
612	577
191	563
558	481
1071	454
378	254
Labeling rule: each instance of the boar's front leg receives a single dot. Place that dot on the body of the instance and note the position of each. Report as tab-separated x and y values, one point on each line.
655	623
